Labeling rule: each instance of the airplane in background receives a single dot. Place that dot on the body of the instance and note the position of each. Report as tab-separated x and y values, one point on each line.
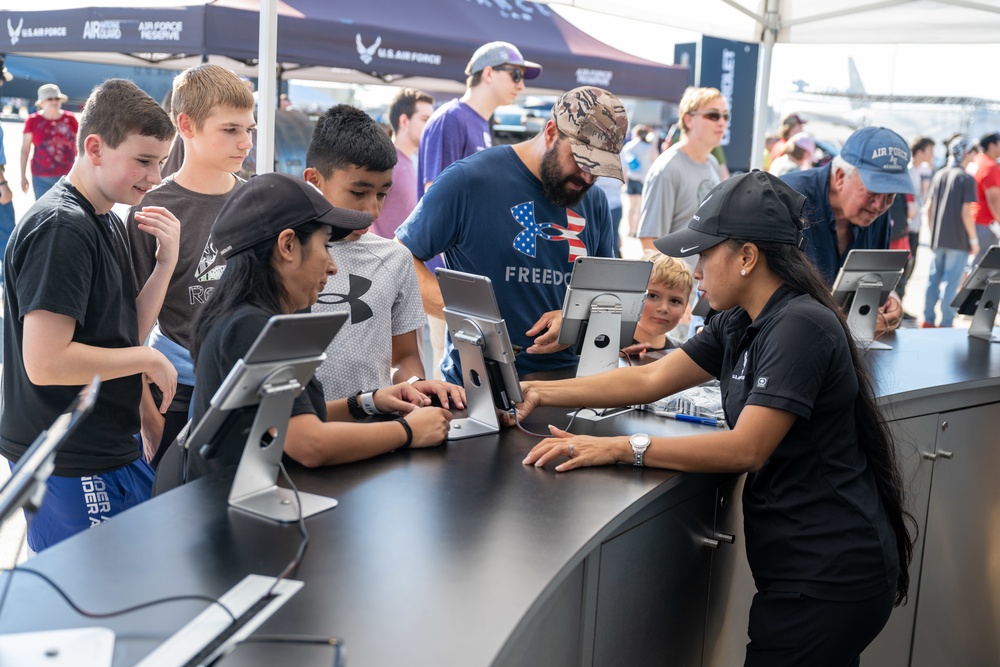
833	114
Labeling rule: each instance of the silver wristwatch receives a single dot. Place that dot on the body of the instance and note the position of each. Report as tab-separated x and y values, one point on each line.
640	442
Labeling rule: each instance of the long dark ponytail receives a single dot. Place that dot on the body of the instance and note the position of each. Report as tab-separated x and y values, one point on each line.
793	268
249	278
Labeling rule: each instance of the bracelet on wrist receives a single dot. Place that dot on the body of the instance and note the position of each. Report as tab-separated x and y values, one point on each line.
409	433
367	401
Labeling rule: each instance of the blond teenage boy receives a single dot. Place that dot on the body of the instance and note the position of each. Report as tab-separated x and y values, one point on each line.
670	283
72	310
212	110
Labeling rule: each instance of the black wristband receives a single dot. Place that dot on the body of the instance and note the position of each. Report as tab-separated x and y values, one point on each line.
409	433
355	408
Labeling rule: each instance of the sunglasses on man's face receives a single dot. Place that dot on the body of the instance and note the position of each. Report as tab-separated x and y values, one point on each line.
712	115
516	75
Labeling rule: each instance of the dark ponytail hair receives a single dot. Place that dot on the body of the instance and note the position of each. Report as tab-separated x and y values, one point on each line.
250	278
793	268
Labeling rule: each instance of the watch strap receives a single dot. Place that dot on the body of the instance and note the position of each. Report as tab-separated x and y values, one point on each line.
355	408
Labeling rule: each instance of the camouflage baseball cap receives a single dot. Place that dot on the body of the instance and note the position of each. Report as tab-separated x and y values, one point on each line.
595	123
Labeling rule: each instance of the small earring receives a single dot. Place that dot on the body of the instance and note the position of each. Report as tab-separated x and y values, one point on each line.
743	272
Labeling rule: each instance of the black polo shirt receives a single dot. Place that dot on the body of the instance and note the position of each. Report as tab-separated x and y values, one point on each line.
814	521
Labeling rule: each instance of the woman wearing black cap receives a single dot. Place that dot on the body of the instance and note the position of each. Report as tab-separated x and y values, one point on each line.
825	526
273	233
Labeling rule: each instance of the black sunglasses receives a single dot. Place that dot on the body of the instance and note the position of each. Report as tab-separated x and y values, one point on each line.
712	115
516	75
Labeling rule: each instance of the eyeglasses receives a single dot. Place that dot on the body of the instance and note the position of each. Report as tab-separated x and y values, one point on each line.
712	115
516	75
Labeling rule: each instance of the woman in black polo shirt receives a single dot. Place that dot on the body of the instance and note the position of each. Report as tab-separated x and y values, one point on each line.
826	531
273	233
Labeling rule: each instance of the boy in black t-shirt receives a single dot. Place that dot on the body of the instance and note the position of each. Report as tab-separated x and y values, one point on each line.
72	311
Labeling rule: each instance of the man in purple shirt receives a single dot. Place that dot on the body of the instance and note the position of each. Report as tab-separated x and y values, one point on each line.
408	114
461	127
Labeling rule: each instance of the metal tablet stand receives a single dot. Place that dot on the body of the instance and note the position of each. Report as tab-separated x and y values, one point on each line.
986	312
470	341
602	336
863	315
273	387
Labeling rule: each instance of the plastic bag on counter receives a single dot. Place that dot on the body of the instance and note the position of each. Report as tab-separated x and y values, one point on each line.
702	401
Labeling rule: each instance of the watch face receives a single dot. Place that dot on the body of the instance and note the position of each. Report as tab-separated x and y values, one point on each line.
639	440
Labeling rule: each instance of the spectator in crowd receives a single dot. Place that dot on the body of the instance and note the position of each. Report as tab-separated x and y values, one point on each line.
685	173
49	140
460	128
409	112
986	208
638	155
848	200
350	160
921	171
6	191
953	230
791	124
667	293
72	311
213	113
521	215
796	156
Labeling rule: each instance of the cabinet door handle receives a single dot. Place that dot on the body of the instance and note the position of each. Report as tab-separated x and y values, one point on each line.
728	538
717	539
709	542
930	456
945	455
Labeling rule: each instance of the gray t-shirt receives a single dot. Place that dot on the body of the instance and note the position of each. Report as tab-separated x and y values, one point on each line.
674	188
199	266
377	285
950	190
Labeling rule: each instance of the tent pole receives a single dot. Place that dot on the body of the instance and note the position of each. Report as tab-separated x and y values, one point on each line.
267	73
764	84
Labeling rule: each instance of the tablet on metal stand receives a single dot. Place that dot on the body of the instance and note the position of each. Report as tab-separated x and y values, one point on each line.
271	375
863	284
480	335
603	304
980	295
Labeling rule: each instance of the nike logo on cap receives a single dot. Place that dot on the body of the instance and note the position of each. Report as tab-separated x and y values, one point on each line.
688	249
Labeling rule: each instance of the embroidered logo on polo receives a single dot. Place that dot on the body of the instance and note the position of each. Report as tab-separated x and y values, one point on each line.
742	373
762	383
526	242
357	287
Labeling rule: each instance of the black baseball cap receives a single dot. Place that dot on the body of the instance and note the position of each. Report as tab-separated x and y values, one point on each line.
271	203
757	206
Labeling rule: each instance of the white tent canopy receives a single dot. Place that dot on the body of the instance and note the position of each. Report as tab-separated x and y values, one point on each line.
813	22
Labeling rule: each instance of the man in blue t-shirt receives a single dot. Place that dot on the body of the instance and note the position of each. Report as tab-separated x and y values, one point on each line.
847	204
521	215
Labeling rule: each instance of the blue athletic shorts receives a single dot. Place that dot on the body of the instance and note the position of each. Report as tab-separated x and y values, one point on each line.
73	504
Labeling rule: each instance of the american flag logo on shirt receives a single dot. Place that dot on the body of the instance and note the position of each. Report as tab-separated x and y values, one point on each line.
527	241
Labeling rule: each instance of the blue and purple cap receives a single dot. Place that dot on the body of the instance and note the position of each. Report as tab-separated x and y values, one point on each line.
881	157
496	54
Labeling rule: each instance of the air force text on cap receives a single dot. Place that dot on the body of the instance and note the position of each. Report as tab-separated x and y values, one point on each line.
894	153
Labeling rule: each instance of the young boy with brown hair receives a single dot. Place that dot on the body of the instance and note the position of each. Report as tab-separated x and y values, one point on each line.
670	283
72	310
212	110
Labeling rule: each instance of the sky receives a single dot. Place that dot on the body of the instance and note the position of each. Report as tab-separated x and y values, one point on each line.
902	69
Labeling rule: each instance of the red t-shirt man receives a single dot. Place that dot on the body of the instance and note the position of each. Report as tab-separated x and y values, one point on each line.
987	174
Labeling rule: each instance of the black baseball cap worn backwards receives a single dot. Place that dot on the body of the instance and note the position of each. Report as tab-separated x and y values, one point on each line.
269	204
757	206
